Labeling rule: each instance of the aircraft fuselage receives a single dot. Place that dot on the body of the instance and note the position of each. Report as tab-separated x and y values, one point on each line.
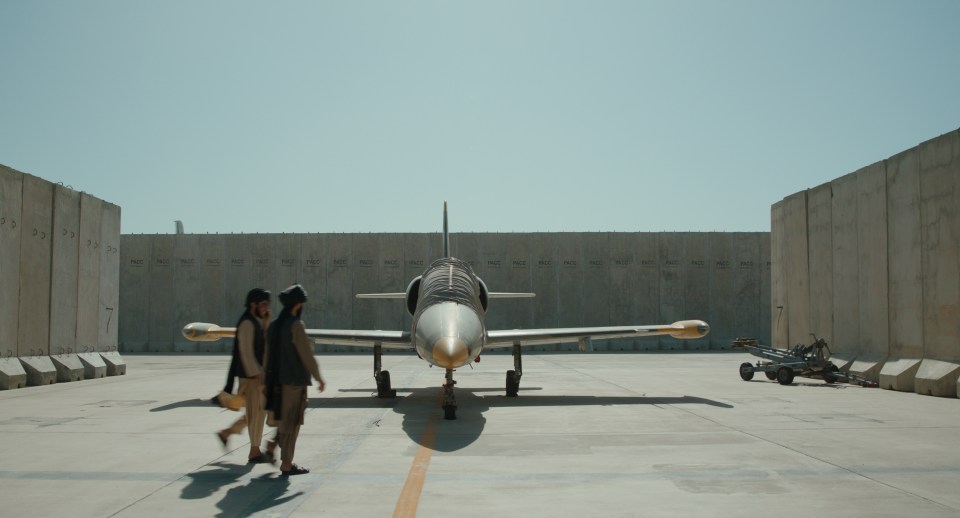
448	324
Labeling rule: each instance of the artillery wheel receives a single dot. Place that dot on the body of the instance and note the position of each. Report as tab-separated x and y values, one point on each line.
771	375
746	371
784	375
828	373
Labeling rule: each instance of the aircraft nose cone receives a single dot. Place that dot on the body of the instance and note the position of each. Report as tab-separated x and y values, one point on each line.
450	352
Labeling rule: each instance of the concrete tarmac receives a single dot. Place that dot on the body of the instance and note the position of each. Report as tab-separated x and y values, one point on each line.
613	435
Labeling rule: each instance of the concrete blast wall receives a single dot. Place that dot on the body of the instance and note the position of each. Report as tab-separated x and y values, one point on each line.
55	277
581	279
871	263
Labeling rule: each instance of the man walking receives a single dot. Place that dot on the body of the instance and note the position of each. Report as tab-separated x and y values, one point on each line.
249	348
289	365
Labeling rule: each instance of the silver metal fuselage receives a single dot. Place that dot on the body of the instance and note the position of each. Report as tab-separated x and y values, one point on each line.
448	325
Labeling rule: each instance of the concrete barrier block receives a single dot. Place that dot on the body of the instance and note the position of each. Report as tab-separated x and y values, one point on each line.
937	378
40	370
869	369
115	364
93	365
68	367
899	374
843	362
12	374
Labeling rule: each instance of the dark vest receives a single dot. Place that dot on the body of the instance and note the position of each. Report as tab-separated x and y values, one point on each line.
259	346
289	367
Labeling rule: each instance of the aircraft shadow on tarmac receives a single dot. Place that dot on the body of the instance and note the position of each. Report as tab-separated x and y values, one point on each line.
420	409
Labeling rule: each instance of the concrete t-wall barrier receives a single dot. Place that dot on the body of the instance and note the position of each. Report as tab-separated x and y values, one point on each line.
905	272
889	268
873	278
696	267
846	269
646	285
795	250
64	280
108	323
581	279
11	198
779	325
940	259
820	251
88	271
765	260
720	264
748	267
52	273
35	260
135	275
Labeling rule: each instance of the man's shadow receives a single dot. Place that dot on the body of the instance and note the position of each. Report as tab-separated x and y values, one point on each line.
259	494
206	483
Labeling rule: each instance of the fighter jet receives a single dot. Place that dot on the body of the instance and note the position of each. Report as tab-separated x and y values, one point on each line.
448	303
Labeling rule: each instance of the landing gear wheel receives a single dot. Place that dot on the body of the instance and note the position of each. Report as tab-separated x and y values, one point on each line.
449	412
448	400
383	386
746	371
771	375
784	375
513	384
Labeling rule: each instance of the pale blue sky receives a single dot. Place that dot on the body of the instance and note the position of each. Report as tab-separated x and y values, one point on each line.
364	116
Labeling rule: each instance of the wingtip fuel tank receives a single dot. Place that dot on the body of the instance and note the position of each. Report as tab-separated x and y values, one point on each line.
689	329
204	332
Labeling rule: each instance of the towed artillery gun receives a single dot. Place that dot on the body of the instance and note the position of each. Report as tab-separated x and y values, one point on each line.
809	361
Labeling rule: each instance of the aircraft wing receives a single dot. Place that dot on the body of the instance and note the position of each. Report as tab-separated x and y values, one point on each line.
396	295
204	332
684	329
402	295
362	338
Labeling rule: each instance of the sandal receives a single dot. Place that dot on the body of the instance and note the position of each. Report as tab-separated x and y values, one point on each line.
295	470
263	458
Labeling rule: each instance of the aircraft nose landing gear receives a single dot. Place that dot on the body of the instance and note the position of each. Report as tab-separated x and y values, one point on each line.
513	376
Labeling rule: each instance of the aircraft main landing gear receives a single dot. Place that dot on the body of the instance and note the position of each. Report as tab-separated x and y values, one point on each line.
513	376
447	400
382	377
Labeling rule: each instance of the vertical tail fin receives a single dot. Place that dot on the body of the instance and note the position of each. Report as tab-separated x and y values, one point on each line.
446	233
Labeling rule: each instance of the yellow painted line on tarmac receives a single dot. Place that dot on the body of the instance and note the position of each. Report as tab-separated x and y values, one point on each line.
410	495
